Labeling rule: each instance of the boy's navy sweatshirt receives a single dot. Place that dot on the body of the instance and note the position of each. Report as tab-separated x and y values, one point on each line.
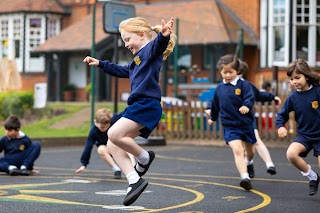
96	137
143	71
306	111
228	99
14	145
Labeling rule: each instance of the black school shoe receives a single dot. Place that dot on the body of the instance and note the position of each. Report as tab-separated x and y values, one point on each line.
250	169
313	186
24	172
272	170
246	184
135	191
146	167
117	175
14	172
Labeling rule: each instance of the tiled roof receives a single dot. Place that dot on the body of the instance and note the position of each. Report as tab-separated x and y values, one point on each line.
200	22
52	6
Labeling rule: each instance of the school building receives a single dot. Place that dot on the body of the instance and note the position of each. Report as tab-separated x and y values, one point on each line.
48	39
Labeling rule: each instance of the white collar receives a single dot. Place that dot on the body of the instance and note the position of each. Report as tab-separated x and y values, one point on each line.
234	82
310	87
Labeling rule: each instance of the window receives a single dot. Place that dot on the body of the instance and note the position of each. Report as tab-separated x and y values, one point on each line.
4	38
289	29
17	37
53	27
278	30
35	33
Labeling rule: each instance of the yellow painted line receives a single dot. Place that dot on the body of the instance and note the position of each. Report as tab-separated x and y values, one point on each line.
199	197
38	199
266	198
48	192
23	186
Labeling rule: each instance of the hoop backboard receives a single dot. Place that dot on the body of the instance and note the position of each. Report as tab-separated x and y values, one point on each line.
114	13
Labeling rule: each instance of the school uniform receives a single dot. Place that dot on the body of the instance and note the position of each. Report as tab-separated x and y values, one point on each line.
143	71
18	151
96	137
307	115
226	102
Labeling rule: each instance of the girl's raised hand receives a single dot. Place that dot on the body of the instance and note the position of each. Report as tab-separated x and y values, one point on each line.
166	27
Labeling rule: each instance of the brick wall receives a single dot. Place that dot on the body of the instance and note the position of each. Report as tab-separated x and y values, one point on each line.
248	11
30	79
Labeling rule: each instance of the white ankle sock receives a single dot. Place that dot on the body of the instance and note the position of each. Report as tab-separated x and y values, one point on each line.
245	176
310	174
247	161
144	159
12	167
133	177
23	167
269	164
116	168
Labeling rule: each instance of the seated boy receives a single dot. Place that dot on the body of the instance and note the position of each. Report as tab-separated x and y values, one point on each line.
20	152
103	119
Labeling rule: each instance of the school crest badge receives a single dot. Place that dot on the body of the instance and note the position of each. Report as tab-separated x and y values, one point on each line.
315	104
137	60
237	91
22	147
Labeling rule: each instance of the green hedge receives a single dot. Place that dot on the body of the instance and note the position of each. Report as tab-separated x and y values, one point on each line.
15	103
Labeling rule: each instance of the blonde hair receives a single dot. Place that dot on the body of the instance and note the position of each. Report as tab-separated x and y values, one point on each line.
103	116
138	24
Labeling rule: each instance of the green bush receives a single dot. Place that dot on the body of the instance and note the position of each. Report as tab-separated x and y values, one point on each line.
16	103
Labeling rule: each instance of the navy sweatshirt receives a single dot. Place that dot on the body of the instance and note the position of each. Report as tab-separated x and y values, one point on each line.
228	99
306	111
14	145
96	137
143	71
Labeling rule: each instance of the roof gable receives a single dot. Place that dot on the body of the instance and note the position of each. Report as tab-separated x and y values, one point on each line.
11	6
200	22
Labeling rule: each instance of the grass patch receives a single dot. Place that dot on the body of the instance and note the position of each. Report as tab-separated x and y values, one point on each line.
58	112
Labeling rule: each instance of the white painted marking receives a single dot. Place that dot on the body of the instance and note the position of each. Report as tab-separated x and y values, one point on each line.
129	208
78	181
116	192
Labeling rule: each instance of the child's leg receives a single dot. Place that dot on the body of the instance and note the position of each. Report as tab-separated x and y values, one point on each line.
120	132
293	156
105	155
238	153
32	154
263	150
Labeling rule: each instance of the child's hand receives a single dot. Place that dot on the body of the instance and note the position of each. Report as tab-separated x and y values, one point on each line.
244	110
80	169
282	132
210	122
278	100
91	61
166	27
207	111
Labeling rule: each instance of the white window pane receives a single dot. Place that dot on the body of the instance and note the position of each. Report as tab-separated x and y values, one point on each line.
279	36
302	42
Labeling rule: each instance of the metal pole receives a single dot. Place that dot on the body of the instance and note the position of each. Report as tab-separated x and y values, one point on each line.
116	80
92	68
176	53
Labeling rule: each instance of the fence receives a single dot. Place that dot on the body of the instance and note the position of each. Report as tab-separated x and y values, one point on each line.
187	120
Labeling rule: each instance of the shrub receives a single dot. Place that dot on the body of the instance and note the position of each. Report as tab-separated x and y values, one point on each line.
16	103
